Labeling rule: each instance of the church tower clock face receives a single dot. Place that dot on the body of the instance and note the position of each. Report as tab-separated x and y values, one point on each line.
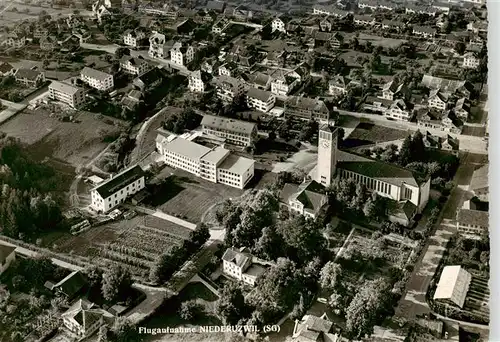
326	144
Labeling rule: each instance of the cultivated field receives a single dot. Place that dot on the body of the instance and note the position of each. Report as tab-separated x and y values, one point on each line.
134	243
73	142
189	197
380	41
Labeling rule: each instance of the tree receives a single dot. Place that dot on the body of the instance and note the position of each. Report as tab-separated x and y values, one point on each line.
231	305
484	257
200	235
299	309
331	274
417	147
116	283
303	237
405	153
370	209
94	276
270	244
124	331
189	310
365	308
122	51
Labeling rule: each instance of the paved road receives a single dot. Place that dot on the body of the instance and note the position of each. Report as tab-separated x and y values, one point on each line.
413	302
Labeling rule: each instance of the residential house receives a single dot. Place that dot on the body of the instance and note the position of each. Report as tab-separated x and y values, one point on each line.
167	11
450	144
149	80
337	85
307	199
239	264
48	43
479	184
278	25
283	82
197	83
336	40
424	31
450	122
13	40
220	26
133	38
431	141
329	10
428	10
314	329
326	24
373	5
117	189
403	213
306	108
472	222
7	256
470	61
364	20
393	90
438	99
6	69
158	46
132	100
134	65
462	108
227	69
40	32
97	79
428	118
261	100
377	104
69	286
216	6
83	319
66	93
400	110
30	78
461	88
229	88
393	25
478	26
261	81
181	54
236	132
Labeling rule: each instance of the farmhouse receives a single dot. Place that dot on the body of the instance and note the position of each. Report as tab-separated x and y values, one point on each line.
115	191
216	165
70	286
387	180
400	110
240	264
66	93
7	256
234	131
97	79
29	78
13	40
306	199
453	285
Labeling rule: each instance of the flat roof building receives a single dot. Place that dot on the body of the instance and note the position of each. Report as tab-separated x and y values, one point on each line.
66	93
237	132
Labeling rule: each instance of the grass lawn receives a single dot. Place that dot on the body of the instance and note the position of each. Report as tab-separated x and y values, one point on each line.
368	133
189	197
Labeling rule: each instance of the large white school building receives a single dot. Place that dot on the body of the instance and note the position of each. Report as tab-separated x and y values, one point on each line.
216	164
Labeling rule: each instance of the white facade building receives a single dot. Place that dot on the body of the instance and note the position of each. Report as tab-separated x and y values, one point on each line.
181	55
196	84
260	100
229	88
437	99
133	38
66	93
470	61
278	25
97	79
216	165
234	131
239	264
134	65
116	190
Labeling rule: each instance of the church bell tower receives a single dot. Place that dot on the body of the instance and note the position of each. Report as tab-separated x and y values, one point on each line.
327	154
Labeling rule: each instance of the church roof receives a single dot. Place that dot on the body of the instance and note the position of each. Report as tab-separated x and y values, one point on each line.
379	170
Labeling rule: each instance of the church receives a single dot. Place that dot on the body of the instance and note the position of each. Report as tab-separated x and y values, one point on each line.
408	188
